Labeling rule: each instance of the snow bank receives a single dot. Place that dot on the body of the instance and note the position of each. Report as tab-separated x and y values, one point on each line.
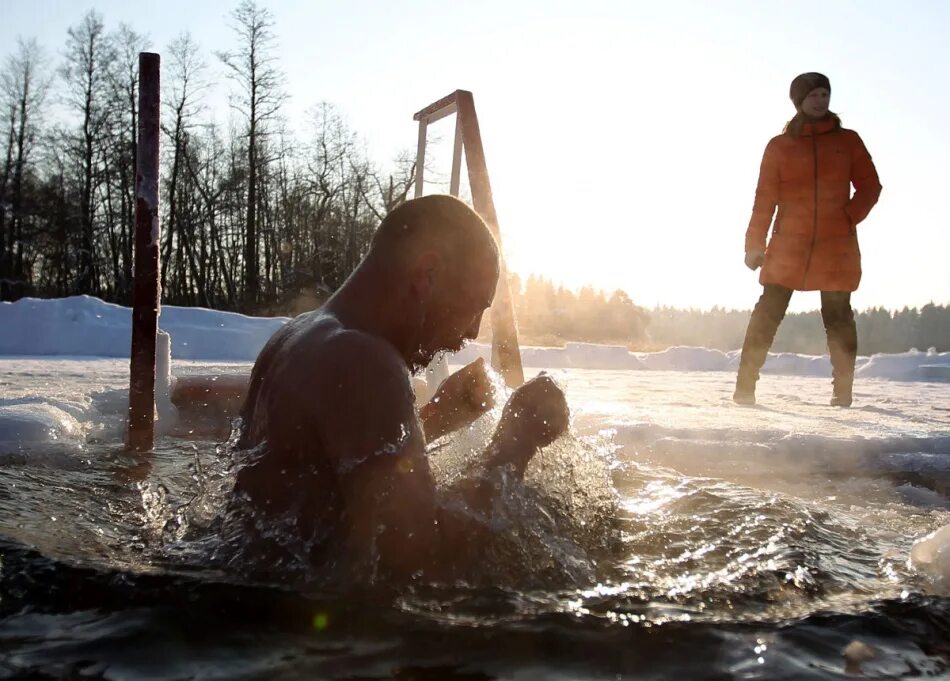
682	358
85	326
571	356
908	366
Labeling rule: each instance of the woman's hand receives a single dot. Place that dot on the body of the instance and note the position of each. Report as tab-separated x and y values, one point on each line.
754	259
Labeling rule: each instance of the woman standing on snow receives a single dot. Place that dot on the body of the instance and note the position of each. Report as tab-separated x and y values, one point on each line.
807	172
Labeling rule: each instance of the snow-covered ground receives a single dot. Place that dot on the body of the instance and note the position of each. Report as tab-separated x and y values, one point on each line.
64	379
83	326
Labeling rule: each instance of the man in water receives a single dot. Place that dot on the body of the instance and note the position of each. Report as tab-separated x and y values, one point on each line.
330	414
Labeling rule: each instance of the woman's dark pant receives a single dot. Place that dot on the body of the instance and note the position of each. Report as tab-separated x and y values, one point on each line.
838	318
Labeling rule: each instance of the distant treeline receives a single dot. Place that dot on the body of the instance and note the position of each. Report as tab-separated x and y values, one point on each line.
551	315
254	216
879	330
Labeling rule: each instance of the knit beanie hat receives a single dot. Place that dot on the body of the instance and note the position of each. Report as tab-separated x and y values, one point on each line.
805	83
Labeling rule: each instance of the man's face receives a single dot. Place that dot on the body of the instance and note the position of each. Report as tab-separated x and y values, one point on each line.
454	313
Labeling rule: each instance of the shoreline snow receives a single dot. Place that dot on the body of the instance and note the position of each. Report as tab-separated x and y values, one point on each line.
83	326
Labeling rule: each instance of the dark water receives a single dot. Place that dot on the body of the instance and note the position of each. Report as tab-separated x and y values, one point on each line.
605	566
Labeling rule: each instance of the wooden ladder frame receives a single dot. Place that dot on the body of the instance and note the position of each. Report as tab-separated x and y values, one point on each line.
506	354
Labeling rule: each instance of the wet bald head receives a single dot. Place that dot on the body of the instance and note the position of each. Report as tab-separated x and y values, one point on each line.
437	223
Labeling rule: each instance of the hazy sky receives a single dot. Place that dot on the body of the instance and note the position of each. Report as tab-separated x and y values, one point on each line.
623	138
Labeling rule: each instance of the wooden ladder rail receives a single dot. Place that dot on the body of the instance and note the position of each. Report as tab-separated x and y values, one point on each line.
506	354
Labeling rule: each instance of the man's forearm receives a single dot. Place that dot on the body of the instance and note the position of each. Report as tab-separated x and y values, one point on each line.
510	446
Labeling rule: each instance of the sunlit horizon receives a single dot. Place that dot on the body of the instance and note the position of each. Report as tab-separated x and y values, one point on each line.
623	139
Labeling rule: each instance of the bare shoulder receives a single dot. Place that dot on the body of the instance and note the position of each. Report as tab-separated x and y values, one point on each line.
319	341
359	395
349	344
346	386
358	354
317	356
335	361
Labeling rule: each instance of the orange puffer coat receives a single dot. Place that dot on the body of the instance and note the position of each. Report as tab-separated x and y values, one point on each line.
814	244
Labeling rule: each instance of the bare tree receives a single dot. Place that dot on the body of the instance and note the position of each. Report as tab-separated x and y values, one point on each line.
254	216
24	84
252	67
182	104
120	149
391	188
89	54
10	116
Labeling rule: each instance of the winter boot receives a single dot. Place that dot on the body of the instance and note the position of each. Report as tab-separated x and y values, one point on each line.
745	392
838	318
745	382
841	393
763	324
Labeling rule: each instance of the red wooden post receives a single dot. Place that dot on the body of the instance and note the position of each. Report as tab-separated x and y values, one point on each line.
146	297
